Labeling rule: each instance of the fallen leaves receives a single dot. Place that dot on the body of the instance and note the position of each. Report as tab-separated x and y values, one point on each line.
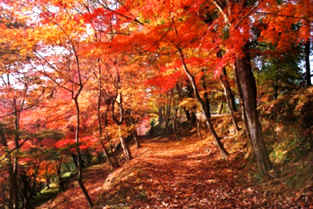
167	174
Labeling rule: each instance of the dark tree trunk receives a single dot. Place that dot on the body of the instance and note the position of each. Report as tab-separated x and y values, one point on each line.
193	116
217	140
175	126
307	48
34	184
206	95
220	109
106	154
228	92
229	97
187	113
74	157
16	159
168	113
138	145
190	95
175	112
161	119
247	85
79	159
115	163
25	190
105	119
115	160
242	109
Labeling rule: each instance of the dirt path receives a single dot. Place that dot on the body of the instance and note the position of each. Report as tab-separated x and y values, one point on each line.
169	174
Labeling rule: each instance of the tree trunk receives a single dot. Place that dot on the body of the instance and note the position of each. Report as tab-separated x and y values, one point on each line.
229	97
168	112
99	120
220	109
206	95
217	140
106	154
228	91
138	145
125	147
307	63
126	150
79	159
16	166
247	86
175	126
190	95
243	112
175	112
115	163
187	113
25	190
160	115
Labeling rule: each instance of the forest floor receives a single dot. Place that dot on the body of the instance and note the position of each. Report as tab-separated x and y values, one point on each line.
166	173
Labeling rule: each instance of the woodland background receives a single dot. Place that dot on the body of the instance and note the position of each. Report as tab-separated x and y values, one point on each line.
83	80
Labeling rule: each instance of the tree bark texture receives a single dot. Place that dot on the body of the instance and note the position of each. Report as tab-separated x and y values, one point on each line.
126	150
229	97
79	159
247	86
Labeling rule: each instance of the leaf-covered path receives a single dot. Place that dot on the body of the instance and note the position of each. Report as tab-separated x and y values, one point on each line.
189	174
169	174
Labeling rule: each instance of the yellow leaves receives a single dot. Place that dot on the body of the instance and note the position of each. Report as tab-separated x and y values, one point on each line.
116	131
188	103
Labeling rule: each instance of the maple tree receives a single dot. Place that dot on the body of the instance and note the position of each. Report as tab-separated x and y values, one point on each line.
94	70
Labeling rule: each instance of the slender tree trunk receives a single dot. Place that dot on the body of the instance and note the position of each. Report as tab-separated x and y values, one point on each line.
190	95
161	119
243	114
175	112
16	159
220	109
247	86
33	188
79	159
175	126
116	164
99	120
228	90
218	142
193	115
125	147
168	112
307	49
138	145
187	113
229	97
106	154
206	95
